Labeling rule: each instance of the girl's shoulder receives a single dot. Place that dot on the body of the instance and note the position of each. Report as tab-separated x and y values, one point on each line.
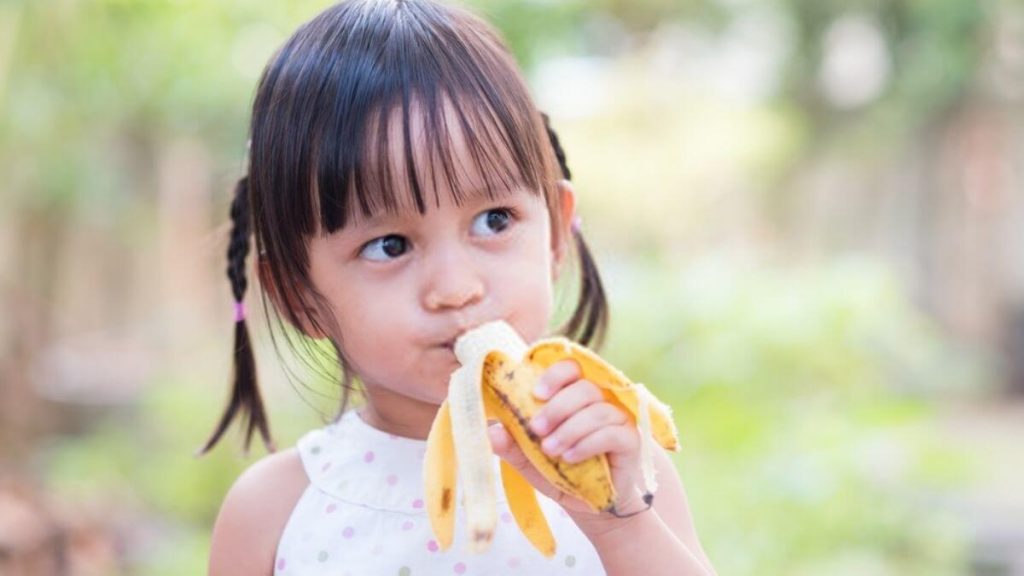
254	514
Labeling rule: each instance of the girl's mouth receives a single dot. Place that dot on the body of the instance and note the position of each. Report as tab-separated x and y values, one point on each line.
450	344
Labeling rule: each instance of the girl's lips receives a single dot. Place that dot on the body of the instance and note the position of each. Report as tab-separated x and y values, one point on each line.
450	344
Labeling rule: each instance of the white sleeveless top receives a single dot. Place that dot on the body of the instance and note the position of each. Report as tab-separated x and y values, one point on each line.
363	515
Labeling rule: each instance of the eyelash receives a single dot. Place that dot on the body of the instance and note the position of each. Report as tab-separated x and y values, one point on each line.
510	213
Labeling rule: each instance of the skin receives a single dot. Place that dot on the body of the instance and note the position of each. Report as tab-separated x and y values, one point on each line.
402	303
457	274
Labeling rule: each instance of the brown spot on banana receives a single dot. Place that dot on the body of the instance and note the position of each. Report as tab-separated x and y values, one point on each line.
589	480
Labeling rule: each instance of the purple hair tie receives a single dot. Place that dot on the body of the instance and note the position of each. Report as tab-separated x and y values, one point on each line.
577	224
239	311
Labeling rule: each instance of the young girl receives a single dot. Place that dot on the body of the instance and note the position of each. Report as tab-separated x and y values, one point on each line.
402	189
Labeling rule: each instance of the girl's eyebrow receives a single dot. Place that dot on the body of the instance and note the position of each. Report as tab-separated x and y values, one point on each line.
470	199
382	218
378	219
479	196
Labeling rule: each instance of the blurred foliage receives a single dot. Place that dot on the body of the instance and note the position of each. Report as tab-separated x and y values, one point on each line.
800	397
86	71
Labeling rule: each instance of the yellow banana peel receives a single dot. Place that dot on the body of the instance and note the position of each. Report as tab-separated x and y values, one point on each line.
495	382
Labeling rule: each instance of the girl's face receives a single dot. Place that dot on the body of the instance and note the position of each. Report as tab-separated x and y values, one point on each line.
404	286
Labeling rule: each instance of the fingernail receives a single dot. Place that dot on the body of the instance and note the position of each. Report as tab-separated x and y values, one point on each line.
568	369
539	424
569	456
550	445
540	391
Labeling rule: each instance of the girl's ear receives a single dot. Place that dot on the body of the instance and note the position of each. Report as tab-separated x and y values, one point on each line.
561	241
267	281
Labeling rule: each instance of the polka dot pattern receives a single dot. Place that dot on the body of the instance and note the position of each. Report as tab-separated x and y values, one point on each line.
364	513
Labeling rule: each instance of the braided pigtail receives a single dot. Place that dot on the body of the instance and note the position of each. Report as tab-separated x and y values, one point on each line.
245	400
589	321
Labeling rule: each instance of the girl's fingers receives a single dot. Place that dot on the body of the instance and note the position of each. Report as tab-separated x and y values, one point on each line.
501	440
580	424
556	377
568	401
619	439
506	448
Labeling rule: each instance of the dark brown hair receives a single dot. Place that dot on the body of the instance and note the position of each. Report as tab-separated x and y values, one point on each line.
318	133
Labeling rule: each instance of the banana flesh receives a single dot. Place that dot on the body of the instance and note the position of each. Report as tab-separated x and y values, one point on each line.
473	456
495	382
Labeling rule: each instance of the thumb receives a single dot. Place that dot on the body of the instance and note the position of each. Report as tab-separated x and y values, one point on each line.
505	446
502	442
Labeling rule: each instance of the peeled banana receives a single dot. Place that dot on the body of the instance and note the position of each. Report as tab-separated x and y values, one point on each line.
495	382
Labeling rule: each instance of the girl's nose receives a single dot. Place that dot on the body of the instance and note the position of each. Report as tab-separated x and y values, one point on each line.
452	282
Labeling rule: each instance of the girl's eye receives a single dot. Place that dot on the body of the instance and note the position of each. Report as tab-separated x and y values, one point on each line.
385	248
492	221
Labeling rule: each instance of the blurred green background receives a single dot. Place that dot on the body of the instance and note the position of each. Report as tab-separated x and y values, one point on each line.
809	215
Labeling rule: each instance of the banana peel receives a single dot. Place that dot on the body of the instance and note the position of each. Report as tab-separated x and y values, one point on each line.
495	382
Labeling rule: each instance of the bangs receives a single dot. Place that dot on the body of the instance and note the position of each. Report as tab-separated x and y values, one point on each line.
383	107
419	149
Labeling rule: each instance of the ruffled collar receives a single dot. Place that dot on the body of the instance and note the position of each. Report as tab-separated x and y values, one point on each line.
359	464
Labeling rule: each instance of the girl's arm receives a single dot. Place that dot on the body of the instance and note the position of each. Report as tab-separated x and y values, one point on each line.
662	540
254	514
645	545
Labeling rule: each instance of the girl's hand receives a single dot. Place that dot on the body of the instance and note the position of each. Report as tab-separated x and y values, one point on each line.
576	423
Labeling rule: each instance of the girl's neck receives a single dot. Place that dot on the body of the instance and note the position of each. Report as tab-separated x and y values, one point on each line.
400	416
